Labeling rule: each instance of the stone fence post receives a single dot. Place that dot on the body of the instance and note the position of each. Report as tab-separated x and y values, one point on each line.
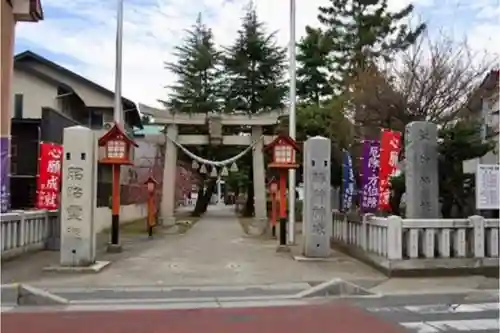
394	237
364	230
479	235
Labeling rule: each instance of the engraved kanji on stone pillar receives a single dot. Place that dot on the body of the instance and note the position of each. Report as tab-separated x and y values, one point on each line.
317	212
78	197
421	170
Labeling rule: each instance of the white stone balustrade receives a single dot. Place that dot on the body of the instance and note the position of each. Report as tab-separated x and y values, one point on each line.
405	244
26	231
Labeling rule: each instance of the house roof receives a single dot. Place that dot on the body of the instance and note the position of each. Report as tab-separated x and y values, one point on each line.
131	107
488	86
47	78
282	139
116	130
149	130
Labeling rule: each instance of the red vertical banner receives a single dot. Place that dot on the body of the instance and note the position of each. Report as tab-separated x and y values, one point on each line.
389	153
49	176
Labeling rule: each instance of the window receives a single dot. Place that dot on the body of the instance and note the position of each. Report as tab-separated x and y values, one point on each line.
18	106
96	119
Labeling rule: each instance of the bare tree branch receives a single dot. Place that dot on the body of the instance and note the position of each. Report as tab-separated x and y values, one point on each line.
434	80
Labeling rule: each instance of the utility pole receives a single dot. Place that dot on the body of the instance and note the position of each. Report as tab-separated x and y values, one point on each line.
292	126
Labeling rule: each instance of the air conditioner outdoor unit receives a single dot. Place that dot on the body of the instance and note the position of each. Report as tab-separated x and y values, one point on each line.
107	125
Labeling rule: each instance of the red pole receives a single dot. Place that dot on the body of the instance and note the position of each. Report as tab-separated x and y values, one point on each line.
283	175
151	215
115	206
274	213
274	209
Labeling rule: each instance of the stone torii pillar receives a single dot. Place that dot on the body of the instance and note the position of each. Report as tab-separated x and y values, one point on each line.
259	176
167	207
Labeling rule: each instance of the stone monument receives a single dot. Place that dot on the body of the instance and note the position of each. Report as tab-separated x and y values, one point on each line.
316	211
421	170
78	197
78	200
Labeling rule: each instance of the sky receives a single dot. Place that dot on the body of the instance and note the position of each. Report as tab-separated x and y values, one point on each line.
80	34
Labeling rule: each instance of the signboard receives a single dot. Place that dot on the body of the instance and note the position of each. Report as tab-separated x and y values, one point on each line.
389	155
487	186
49	176
370	181
4	175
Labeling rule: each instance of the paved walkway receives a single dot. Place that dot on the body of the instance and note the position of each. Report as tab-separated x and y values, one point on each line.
214	252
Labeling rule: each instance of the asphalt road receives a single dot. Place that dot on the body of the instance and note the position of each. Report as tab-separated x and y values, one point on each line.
452	313
445	313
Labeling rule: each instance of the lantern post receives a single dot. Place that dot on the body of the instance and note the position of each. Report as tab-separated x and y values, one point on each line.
118	149
284	149
151	184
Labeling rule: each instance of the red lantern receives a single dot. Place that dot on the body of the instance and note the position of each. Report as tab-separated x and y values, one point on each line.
118	146
151	184
284	150
273	187
118	151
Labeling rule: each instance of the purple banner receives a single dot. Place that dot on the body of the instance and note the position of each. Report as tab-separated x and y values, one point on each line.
4	175
370	181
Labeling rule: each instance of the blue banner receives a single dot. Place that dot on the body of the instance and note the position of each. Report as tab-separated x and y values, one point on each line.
347	181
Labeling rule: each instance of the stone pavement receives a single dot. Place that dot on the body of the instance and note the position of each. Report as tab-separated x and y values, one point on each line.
215	251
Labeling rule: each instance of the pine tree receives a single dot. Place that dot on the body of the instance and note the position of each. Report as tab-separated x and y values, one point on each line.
196	90
314	64
254	67
363	31
198	73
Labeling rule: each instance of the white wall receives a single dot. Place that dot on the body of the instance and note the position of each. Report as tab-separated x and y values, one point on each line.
36	94
129	213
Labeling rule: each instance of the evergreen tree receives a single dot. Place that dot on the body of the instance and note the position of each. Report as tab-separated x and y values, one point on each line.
198	73
254	67
314	66
196	90
363	31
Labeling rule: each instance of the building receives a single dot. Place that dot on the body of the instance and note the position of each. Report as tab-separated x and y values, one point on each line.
11	12
484	107
47	98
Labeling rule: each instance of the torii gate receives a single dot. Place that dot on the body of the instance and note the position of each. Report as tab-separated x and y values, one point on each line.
173	141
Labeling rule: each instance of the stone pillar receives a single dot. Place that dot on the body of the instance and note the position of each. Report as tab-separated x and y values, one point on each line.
169	173
421	170
259	175
316	209
78	197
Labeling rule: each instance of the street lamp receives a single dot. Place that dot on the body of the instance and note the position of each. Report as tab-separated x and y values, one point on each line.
118	151
283	149
151	184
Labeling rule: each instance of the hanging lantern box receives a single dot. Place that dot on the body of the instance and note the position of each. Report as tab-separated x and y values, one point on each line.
284	151
115	147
